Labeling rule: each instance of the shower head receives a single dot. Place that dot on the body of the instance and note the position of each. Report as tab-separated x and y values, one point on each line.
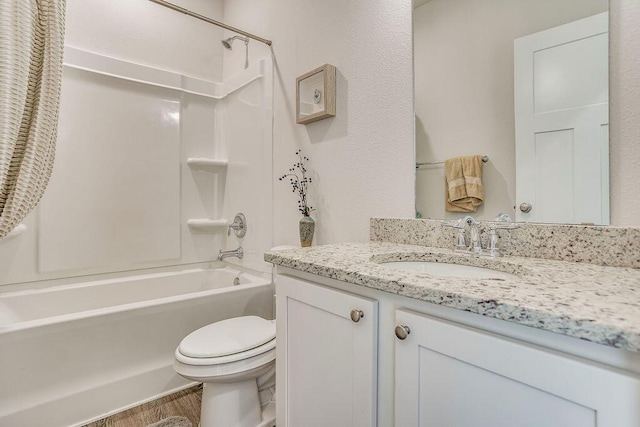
227	42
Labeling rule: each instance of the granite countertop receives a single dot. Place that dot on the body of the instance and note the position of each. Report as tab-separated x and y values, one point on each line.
585	301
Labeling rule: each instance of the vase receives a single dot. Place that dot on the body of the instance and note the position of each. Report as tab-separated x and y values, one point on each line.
307	227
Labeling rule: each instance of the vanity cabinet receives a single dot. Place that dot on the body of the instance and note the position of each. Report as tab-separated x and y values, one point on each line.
451	375
409	363
326	356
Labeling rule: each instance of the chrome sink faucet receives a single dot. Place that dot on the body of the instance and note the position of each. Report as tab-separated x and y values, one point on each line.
502	222
239	253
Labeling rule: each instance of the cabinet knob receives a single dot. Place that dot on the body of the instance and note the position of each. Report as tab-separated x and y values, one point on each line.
356	315
402	332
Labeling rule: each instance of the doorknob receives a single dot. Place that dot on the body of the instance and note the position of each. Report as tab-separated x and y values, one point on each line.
525	207
402	332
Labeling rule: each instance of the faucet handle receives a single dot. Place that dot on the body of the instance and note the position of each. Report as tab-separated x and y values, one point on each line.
476	242
492	246
239	226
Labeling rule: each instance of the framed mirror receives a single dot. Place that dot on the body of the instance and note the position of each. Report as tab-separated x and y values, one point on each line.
515	81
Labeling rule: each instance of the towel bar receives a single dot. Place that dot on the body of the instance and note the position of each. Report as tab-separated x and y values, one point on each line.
485	159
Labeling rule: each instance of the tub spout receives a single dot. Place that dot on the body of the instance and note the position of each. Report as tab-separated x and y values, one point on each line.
239	253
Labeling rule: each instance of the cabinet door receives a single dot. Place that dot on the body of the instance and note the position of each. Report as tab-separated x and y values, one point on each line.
448	375
326	361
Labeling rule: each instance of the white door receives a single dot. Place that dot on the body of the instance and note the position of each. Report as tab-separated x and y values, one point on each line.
326	357
562	119
448	375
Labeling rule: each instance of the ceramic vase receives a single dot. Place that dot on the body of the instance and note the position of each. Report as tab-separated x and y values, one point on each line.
307	227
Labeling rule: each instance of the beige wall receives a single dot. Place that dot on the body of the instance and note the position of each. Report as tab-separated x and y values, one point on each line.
625	112
463	54
362	160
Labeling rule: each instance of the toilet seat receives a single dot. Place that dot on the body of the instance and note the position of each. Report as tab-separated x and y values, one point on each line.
231	358
228	337
228	341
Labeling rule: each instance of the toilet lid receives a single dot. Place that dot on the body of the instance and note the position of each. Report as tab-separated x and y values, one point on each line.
228	337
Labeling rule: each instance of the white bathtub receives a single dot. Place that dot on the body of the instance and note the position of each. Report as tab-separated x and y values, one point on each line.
75	353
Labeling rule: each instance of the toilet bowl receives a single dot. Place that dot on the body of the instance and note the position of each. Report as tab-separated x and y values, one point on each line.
235	359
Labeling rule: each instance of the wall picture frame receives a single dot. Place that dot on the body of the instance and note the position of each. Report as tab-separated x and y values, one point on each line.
316	95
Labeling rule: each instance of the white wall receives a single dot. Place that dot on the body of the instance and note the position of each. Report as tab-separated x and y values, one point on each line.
624	111
361	160
149	34
463	54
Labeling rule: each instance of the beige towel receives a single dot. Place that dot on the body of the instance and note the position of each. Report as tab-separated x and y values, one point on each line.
464	191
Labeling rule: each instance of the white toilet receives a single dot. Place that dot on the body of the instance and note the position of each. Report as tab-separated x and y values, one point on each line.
235	359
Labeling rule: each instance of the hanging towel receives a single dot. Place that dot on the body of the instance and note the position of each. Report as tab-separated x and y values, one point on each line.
464	191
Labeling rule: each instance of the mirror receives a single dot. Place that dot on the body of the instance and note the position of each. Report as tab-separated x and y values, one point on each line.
465	54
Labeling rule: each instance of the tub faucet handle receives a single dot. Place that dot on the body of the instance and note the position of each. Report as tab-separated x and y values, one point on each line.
239	226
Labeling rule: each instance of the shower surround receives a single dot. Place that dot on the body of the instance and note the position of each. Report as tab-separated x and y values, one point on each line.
141	152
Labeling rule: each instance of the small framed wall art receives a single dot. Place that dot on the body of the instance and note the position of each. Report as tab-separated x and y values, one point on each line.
316	95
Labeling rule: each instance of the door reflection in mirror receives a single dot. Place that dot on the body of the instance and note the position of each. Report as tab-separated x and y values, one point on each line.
464	103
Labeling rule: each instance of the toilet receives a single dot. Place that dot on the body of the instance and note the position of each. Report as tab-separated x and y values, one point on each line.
235	359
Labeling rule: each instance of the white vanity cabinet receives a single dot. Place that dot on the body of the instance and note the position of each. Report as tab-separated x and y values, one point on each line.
450	375
326	356
447	368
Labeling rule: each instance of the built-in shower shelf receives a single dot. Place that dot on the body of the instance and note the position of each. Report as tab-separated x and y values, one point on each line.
204	162
206	223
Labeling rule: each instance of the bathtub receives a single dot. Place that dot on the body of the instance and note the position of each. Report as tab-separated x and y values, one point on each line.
75	353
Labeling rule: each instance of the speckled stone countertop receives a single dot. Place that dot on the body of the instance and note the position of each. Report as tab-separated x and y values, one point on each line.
590	302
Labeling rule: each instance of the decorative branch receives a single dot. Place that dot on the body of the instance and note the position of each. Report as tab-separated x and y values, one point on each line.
299	183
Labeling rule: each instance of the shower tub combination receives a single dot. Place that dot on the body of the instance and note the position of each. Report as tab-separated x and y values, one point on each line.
75	353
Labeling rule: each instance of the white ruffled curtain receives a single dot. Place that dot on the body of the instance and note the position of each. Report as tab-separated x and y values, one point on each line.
31	47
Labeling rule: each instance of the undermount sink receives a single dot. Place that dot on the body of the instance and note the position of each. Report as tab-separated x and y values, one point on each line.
443	269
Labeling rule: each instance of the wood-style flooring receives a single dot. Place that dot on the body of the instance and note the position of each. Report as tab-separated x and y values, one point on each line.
185	403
